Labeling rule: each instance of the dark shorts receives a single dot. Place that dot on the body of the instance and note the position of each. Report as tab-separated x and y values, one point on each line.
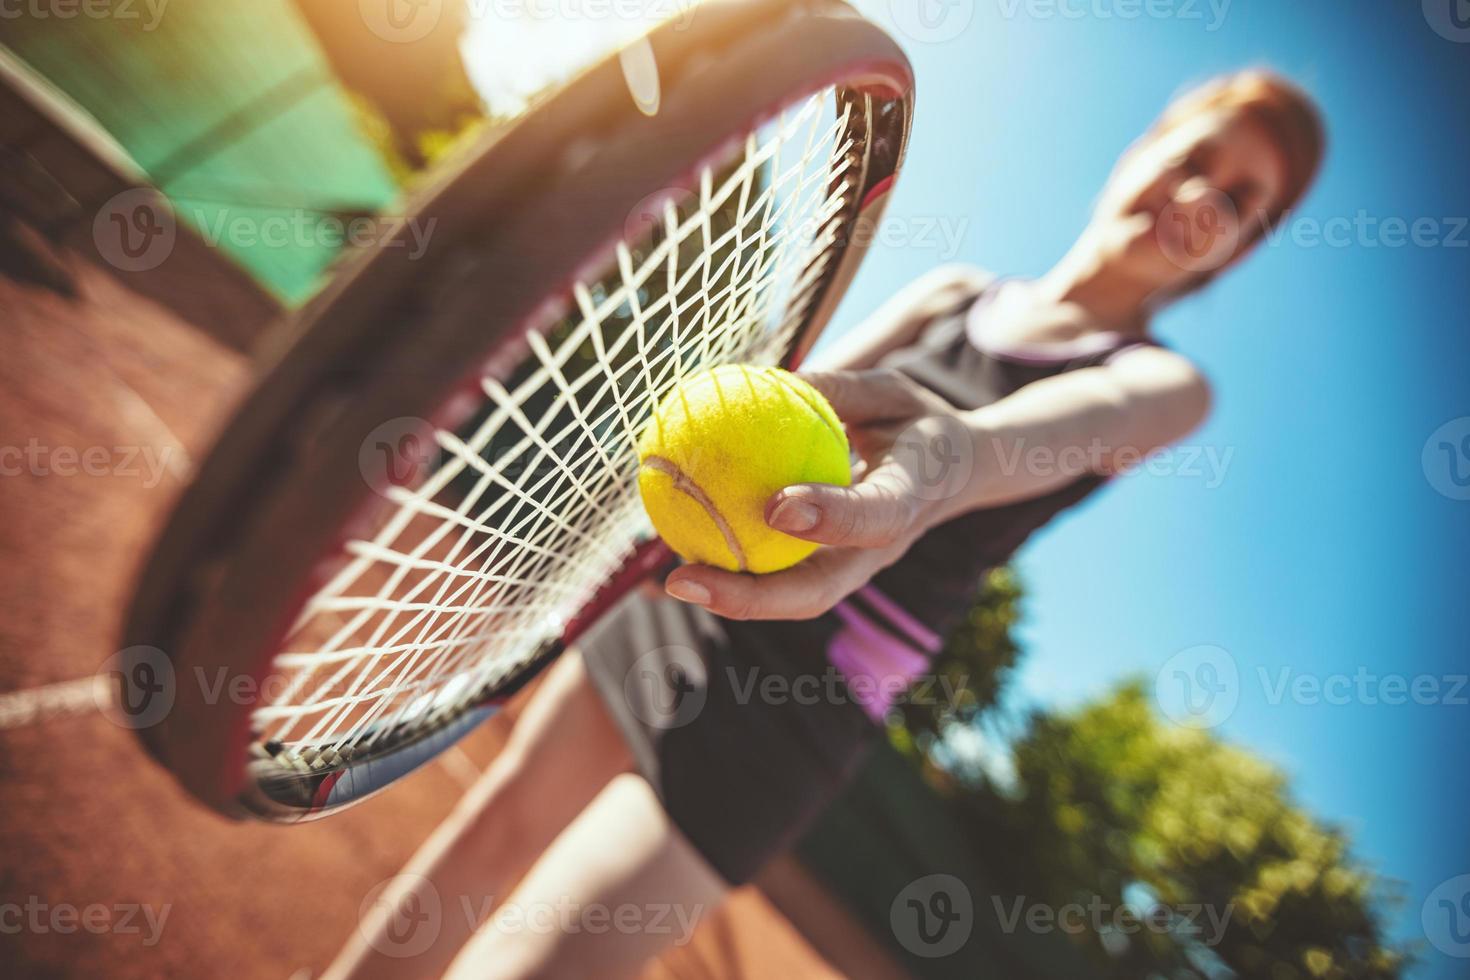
744	730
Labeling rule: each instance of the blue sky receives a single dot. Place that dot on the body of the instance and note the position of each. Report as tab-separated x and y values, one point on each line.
1324	550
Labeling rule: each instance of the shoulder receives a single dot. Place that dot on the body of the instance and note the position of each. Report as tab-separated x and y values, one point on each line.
1166	380
951	284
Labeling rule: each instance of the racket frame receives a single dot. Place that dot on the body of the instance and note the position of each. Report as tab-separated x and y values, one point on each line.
389	337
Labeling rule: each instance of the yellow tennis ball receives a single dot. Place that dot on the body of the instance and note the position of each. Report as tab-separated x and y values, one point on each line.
719	446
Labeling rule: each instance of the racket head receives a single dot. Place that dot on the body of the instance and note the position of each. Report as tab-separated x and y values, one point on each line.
529	231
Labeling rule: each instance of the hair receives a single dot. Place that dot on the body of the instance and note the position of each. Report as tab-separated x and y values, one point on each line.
1285	110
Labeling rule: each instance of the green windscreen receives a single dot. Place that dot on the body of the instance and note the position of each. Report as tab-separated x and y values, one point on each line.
231	109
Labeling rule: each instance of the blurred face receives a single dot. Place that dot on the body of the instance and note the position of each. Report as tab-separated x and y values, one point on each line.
1188	201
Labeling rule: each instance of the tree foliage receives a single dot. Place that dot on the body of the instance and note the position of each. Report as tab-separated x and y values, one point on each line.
1110	806
1112	801
973	664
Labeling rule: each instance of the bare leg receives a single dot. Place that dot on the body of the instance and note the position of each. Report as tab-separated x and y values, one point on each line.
619	885
563	750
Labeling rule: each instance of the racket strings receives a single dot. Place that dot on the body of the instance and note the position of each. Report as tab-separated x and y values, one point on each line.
528	514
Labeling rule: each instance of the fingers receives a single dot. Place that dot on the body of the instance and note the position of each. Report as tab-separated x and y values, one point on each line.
803	592
876	513
863	397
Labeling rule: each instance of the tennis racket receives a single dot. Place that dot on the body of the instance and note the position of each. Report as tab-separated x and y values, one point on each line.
430	491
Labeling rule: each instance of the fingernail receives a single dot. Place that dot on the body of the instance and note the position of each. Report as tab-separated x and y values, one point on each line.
686	591
795	516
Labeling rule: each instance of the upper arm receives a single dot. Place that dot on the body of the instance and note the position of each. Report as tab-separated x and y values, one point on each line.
1164	397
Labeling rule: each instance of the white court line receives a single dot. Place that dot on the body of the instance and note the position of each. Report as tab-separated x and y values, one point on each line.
38	704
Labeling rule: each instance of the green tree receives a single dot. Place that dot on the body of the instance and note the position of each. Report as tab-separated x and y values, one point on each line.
1114	806
974	663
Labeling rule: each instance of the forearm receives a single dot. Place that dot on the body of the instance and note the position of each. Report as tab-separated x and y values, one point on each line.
1043	437
1054	431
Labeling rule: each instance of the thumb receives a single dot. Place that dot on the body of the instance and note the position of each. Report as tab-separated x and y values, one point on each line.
876	513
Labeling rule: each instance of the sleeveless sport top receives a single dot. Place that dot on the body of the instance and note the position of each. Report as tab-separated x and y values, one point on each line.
896	623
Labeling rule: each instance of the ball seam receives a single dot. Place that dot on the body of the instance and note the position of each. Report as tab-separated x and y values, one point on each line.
806	400
687	486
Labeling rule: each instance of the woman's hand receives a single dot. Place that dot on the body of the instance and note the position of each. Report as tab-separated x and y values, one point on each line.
916	461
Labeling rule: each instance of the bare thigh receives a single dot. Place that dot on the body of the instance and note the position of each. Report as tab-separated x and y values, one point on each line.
618	886
562	751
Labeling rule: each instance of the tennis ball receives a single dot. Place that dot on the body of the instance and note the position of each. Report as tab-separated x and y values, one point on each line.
718	446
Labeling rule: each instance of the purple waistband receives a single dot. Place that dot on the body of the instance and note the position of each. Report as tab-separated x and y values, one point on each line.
879	650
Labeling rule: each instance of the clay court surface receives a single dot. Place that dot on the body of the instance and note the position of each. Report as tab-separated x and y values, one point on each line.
95	838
